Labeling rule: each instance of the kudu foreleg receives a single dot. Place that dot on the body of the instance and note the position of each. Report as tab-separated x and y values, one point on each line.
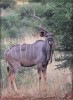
40	75
45	77
39	80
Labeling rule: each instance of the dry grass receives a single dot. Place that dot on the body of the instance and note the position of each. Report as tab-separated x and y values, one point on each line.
28	39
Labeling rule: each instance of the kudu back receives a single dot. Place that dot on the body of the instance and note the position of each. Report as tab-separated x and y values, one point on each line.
27	55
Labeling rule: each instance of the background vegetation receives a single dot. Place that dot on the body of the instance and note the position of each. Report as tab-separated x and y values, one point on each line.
56	16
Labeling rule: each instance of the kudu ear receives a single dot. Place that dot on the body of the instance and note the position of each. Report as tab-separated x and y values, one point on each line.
42	33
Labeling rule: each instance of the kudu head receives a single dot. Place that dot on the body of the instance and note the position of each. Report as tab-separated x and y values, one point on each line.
48	35
43	32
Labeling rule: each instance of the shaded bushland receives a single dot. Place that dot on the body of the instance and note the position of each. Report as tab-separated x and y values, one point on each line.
18	26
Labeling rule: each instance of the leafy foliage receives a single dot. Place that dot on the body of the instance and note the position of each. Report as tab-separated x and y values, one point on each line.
7	3
56	17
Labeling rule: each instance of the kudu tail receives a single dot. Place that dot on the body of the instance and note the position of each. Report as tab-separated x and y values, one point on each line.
5	58
8	70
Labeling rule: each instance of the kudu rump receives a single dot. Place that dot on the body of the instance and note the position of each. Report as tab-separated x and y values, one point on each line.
27	55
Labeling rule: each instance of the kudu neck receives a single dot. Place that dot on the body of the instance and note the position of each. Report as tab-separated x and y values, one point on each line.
47	42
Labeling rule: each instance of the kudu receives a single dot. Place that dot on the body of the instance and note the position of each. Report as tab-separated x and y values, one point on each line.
28	55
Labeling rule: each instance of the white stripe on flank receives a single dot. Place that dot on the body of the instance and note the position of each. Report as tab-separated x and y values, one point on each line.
26	52
29	51
11	52
15	53
33	51
20	51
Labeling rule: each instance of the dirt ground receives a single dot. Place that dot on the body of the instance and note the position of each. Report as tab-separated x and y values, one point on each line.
23	98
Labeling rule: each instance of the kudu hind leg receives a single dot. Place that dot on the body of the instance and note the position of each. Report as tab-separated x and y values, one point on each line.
14	83
11	79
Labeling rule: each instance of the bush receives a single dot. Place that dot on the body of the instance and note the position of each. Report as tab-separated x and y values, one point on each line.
7	3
